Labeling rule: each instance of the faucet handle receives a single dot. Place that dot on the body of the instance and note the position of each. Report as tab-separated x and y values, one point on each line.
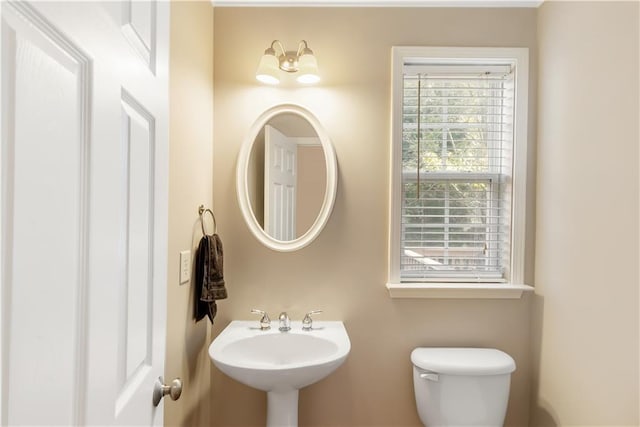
308	321
265	322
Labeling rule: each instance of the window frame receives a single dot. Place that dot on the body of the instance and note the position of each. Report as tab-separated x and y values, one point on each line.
514	285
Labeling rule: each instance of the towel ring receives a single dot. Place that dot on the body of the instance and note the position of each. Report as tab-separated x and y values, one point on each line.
201	212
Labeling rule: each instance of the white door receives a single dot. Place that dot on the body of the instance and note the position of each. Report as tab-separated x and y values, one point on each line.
83	174
280	154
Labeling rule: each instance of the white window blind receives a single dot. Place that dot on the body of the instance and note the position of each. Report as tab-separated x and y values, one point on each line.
457	145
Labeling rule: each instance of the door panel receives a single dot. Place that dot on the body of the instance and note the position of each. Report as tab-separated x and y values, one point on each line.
44	221
135	335
139	27
280	184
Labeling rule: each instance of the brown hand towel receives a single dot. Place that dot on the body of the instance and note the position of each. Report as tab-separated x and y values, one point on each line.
209	277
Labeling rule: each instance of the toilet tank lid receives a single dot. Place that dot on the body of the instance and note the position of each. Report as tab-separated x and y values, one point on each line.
463	361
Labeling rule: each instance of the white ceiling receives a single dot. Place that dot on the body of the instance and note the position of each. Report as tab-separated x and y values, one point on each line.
293	125
376	3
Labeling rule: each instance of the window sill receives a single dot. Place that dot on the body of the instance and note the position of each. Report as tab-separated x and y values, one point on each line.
457	290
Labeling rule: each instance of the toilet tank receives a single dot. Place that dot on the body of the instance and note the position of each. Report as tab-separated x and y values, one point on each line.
461	386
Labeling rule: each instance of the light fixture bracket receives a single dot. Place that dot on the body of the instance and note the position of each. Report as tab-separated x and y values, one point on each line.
289	61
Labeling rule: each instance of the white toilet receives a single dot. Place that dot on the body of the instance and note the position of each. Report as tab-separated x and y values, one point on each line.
461	386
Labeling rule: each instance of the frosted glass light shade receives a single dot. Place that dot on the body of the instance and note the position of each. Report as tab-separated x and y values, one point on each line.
308	69
268	69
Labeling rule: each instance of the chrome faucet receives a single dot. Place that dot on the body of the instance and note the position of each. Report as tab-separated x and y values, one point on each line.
285	322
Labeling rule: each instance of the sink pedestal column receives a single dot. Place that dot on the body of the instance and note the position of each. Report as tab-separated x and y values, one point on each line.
282	408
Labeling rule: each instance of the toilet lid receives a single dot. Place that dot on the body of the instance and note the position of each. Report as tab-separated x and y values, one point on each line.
463	361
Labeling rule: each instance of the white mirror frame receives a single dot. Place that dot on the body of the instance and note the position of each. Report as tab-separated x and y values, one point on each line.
243	188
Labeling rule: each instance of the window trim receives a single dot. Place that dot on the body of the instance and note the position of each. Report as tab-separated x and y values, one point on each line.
515	285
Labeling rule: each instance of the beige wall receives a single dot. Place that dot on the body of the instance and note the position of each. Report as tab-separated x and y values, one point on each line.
344	271
585	317
190	184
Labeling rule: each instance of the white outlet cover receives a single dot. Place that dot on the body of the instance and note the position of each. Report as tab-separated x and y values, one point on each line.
185	267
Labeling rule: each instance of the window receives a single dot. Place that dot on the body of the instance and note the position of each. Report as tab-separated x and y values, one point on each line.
458	165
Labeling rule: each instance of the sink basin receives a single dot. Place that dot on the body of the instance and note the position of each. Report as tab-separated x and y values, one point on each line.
280	363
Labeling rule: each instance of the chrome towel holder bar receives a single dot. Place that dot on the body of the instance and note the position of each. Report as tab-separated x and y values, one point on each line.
201	212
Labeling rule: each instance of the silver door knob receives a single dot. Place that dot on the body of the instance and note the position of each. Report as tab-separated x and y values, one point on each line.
160	390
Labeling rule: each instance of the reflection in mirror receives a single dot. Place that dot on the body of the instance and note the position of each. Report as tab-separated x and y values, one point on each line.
286	176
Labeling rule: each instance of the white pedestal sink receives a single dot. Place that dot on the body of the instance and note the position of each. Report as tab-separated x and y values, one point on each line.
280	363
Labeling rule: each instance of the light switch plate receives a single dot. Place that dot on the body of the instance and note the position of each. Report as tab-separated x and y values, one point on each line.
185	266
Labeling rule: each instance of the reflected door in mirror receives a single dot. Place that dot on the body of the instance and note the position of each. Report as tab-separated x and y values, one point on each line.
287	177
280	177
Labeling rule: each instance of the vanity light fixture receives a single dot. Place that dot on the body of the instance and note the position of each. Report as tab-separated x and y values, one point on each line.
301	61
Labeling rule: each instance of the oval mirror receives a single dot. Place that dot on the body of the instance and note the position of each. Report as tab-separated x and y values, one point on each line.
286	178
